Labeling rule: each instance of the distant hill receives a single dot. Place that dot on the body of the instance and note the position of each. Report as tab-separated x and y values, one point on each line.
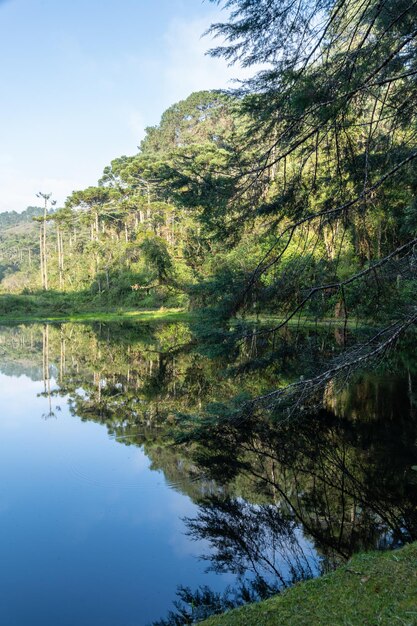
19	247
8	219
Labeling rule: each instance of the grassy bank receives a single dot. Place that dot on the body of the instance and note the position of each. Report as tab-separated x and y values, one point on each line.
59	307
81	307
159	315
373	588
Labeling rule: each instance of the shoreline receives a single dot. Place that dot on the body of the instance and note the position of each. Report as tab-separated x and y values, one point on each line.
372	588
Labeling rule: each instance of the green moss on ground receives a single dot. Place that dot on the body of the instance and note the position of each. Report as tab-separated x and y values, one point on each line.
373	588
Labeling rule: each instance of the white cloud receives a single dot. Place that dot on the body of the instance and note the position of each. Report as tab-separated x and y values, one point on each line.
188	67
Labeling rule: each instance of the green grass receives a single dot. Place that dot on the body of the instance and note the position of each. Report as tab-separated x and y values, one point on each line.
63	307
373	588
140	315
82	307
157	315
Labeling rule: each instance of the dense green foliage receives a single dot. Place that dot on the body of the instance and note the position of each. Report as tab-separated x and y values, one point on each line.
292	198
130	240
19	248
293	195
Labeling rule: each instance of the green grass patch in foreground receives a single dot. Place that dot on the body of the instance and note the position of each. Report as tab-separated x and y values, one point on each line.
373	588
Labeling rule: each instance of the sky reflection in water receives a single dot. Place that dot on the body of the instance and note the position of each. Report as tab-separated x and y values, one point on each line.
89	534
92	529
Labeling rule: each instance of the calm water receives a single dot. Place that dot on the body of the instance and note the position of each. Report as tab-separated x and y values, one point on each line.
89	533
93	495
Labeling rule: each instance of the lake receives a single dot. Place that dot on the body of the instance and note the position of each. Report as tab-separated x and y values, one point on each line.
103	513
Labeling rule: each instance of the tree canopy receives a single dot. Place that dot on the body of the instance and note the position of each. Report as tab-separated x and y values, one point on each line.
293	195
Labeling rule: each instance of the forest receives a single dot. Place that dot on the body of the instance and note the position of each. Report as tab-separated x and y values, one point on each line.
276	222
291	196
293	193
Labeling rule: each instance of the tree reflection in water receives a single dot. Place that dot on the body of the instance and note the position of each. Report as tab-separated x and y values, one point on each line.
279	500
349	484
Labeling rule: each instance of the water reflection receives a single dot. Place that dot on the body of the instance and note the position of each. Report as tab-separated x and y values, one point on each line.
350	483
277	501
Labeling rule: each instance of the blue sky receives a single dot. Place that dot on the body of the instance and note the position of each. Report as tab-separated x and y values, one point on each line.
81	79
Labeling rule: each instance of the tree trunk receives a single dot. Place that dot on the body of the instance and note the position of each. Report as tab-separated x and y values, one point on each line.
41	255
45	260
